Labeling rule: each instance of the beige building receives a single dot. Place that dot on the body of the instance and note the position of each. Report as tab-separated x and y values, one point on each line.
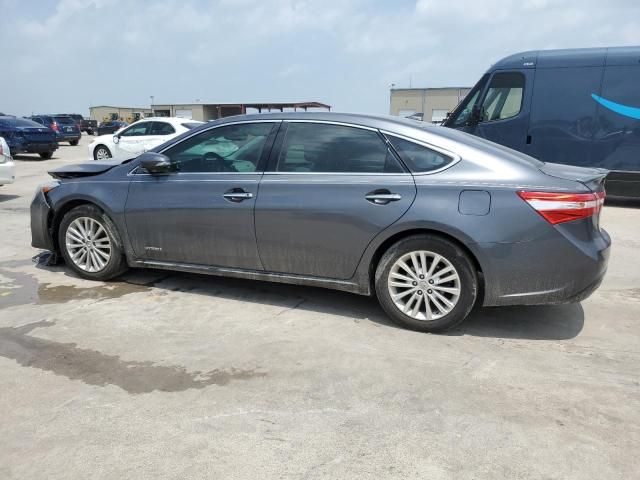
432	103
102	113
211	111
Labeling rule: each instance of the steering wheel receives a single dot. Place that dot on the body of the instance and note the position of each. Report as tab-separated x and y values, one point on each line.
217	161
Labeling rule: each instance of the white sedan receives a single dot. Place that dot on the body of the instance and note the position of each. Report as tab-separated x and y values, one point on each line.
139	137
7	167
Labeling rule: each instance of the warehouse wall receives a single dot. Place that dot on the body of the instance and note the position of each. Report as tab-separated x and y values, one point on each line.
429	101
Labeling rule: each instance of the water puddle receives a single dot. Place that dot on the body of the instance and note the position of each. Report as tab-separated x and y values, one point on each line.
96	368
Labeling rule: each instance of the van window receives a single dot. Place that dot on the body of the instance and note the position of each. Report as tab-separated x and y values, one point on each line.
504	97
462	113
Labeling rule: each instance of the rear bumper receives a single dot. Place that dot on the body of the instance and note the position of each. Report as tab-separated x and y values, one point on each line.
40	213
546	271
65	137
39	147
7	172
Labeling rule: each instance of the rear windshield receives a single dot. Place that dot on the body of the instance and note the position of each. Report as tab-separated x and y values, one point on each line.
191	125
18	122
65	120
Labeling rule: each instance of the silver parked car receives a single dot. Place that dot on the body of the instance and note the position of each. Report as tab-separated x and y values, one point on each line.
430	220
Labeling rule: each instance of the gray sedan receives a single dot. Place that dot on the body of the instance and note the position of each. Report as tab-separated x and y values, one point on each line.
430	220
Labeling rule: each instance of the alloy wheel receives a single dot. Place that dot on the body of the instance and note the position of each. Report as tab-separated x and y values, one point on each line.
102	153
424	285
88	244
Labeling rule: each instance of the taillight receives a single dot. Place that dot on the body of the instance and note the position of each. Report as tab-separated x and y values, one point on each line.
54	126
558	207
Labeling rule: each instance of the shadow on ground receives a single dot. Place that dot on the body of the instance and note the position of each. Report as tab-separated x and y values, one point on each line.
549	322
6	198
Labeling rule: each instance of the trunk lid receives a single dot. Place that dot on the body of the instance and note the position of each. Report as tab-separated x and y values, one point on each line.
592	178
37	134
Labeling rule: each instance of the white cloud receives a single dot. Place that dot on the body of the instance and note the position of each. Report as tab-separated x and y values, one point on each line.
343	52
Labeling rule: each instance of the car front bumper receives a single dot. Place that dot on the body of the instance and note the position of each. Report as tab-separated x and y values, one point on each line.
40	215
7	172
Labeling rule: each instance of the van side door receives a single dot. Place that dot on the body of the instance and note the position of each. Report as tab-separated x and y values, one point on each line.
563	114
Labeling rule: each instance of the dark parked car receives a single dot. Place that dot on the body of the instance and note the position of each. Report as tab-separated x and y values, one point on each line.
429	218
111	126
84	124
63	125
25	136
577	107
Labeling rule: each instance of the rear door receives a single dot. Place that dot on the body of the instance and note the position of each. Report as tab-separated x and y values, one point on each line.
202	212
617	137
329	191
158	133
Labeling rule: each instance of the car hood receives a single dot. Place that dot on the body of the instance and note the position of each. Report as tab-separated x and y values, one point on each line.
84	169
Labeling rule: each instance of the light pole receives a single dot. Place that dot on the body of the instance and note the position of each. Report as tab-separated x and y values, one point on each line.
151	97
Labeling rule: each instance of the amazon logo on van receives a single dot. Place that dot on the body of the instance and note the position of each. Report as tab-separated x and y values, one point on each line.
619	108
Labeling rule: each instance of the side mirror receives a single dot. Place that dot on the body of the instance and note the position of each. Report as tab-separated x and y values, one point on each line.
116	138
155	163
476	115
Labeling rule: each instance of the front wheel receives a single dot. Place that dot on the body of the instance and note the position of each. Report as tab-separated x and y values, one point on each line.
426	283
90	244
101	153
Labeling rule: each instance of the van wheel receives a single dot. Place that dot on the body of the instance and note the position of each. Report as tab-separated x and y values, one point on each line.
46	155
74	142
426	283
90	244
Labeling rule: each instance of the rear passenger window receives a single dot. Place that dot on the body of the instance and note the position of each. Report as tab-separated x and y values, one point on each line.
418	158
161	128
504	96
324	148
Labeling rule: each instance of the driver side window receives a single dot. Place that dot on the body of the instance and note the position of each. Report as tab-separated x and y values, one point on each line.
231	148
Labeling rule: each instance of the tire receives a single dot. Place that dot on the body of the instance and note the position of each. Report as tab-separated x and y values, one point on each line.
46	155
73	143
407	284
96	154
72	232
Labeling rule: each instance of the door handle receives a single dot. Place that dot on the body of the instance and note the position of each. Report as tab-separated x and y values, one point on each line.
237	195
382	197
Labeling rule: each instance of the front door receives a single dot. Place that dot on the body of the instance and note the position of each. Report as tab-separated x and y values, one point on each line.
329	192
202	212
130	142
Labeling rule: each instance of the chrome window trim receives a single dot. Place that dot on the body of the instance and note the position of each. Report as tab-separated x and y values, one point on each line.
332	122
350	174
455	158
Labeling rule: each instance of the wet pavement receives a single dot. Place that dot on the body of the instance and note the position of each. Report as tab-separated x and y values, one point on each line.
170	375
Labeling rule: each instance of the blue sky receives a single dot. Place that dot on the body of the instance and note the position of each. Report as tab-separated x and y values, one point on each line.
69	54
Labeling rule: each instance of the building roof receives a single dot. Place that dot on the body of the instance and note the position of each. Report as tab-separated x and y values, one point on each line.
258	105
111	106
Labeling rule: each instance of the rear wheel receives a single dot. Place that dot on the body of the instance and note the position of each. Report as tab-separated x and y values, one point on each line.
46	155
426	283
73	142
101	152
90	244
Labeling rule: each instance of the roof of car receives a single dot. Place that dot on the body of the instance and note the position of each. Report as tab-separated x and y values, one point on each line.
574	57
363	119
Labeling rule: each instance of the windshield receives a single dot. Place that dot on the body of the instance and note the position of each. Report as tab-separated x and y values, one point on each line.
462	113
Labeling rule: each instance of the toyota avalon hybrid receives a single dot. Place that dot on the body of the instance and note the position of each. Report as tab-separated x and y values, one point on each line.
431	221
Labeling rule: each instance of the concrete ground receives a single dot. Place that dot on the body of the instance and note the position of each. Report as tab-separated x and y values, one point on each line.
179	376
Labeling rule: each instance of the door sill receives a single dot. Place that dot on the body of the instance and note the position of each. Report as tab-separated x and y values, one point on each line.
331	283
